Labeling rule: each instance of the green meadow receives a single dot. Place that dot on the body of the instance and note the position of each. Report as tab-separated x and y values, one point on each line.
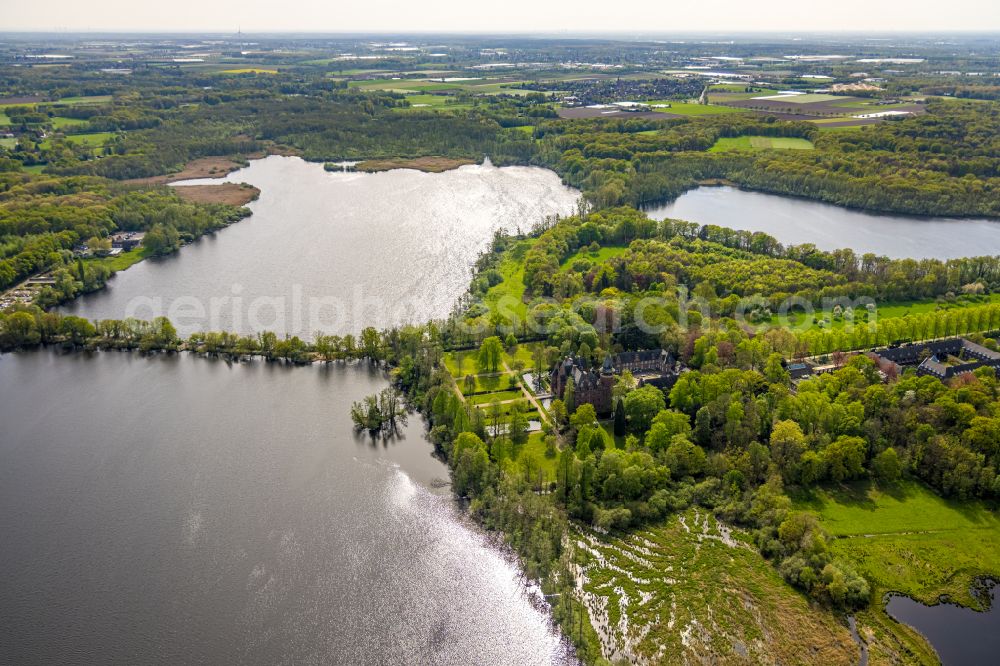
905	538
760	143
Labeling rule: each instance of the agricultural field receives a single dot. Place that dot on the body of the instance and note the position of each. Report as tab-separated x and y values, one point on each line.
726	144
807	98
692	108
732	92
93	99
693	590
249	70
813	106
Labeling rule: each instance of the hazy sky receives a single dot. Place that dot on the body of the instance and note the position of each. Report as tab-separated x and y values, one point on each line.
510	15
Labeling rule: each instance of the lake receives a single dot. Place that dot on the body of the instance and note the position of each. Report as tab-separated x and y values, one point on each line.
175	509
335	251
961	636
794	221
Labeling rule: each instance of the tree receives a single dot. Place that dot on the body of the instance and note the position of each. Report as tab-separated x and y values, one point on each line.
620	423
684	458
471	464
161	239
371	343
491	354
585	415
886	466
19	329
557	410
99	246
569	396
76	329
774	370
642	405
845	457
624	384
510	342
788	443
518	426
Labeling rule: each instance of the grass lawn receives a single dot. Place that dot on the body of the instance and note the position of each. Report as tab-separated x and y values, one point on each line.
508	296
462	363
688	591
905	538
486	383
4	120
507	408
521	353
693	109
893	310
93	139
760	143
429	102
528	458
121	261
8	142
93	99
499	396
60	122
34	168
595	258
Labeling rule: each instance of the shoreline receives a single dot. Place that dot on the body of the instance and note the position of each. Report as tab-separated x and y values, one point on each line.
430	164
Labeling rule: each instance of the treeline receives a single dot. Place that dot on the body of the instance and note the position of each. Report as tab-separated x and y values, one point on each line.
25	326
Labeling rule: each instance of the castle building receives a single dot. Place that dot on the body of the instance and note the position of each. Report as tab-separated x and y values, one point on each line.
655	367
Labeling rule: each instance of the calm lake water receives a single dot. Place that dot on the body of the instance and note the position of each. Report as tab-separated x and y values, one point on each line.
182	510
335	251
961	636
795	221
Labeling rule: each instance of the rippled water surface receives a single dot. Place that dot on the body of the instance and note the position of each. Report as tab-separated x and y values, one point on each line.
335	251
182	510
795	221
961	636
